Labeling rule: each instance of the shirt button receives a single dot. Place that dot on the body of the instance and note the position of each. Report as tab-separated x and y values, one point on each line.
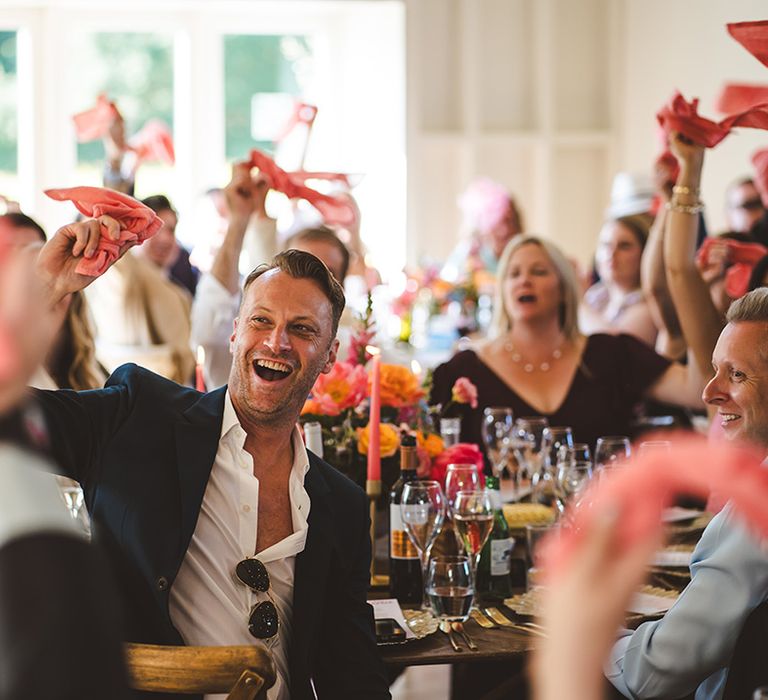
162	584
246	509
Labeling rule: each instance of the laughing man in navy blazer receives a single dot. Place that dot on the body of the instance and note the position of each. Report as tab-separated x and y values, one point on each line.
220	527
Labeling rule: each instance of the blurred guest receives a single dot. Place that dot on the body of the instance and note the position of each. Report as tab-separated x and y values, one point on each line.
491	219
743	205
759	276
164	250
616	303
691	647
538	363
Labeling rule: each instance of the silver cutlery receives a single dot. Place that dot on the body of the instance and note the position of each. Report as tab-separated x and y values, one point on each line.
459	628
445	626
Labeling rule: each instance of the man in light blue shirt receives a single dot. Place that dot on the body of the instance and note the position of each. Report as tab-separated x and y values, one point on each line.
690	648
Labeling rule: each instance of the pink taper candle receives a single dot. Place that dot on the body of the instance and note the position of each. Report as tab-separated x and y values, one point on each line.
374	438
199	378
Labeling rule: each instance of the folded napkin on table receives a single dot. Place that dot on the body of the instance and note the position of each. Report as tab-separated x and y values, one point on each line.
93	123
137	222
742	256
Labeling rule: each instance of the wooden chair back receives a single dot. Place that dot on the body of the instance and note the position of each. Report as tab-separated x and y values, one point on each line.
245	672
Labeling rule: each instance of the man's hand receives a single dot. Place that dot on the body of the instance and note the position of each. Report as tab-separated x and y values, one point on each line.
60	256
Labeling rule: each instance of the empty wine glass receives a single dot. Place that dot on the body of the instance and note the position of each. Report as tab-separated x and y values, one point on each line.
578	452
496	431
611	451
460	477
473	520
528	439
450	588
422	509
572	479
543	483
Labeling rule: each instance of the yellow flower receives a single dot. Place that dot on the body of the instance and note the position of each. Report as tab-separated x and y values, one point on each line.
389	439
431	442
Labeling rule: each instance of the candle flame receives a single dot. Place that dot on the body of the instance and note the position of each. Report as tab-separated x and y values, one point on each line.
372	350
200	355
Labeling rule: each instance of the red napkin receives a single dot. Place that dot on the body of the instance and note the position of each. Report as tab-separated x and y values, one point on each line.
738	97
682	116
760	163
335	210
303	113
153	142
137	222
753	36
641	490
743	256
93	123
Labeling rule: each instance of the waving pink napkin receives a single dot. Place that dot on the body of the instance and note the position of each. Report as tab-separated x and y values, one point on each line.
743	256
753	36
682	116
153	142
335	210
640	491
137	222
93	123
738	97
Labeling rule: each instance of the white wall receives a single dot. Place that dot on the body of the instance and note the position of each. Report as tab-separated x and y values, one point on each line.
684	45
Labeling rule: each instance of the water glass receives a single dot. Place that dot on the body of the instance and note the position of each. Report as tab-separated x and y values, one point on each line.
496	430
611	451
450	588
450	431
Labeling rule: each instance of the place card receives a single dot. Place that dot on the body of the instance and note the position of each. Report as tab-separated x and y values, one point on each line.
390	608
649	604
672	557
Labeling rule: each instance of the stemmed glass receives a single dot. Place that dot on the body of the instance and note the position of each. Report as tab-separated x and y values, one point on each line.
543	484
460	477
496	431
527	441
450	588
578	452
654	447
473	519
422	509
572	478
72	495
611	451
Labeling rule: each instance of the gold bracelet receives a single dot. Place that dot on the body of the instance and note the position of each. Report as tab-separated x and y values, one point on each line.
685	208
682	189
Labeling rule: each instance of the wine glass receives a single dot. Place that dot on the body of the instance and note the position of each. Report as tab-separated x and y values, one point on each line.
496	430
528	439
654	447
473	519
72	495
578	452
460	477
543	483
450	588
611	451
450	431
572	479
422	509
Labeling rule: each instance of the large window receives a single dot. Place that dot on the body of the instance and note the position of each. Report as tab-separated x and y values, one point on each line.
9	185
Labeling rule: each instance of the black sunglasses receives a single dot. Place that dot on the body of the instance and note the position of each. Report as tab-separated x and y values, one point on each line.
263	622
750	204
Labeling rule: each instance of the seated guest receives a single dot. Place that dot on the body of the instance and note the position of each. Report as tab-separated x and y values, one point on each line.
164	250
691	647
217	301
616	303
743	205
538	363
217	540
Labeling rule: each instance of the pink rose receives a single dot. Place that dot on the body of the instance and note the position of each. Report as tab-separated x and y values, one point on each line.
464	391
461	453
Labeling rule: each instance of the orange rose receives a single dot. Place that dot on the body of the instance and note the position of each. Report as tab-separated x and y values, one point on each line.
389	439
432	443
399	386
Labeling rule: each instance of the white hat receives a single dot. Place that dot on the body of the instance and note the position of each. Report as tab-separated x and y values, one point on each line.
631	193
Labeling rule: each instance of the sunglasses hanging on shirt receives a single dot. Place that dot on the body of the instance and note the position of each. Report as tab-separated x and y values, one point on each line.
263	622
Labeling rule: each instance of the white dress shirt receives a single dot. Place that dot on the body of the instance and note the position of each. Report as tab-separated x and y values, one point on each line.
208	605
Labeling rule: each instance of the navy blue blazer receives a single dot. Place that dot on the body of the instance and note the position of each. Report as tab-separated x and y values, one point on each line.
142	448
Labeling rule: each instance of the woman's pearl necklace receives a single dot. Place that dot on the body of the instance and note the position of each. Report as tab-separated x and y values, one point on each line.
529	367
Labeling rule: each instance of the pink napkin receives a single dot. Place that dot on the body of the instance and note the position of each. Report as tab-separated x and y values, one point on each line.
137	222
682	116
753	36
743	256
640	491
9	353
335	210
738	97
93	123
303	113
153	142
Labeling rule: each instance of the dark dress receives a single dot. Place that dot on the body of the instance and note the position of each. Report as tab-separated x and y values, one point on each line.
614	374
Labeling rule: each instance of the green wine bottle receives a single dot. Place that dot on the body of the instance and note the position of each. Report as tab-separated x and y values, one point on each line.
493	570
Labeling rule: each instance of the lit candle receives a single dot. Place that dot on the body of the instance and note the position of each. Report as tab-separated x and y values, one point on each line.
374	438
199	378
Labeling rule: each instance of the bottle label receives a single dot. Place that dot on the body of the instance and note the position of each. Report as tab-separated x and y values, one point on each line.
400	546
501	555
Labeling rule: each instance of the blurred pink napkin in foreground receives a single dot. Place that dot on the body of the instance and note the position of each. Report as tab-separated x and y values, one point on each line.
335	210
639	492
137	222
93	123
682	116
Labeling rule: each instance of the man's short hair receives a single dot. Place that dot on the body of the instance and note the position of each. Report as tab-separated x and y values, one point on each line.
19	220
301	265
322	234
751	307
158	203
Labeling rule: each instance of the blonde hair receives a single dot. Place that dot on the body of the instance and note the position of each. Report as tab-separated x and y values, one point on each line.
569	287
